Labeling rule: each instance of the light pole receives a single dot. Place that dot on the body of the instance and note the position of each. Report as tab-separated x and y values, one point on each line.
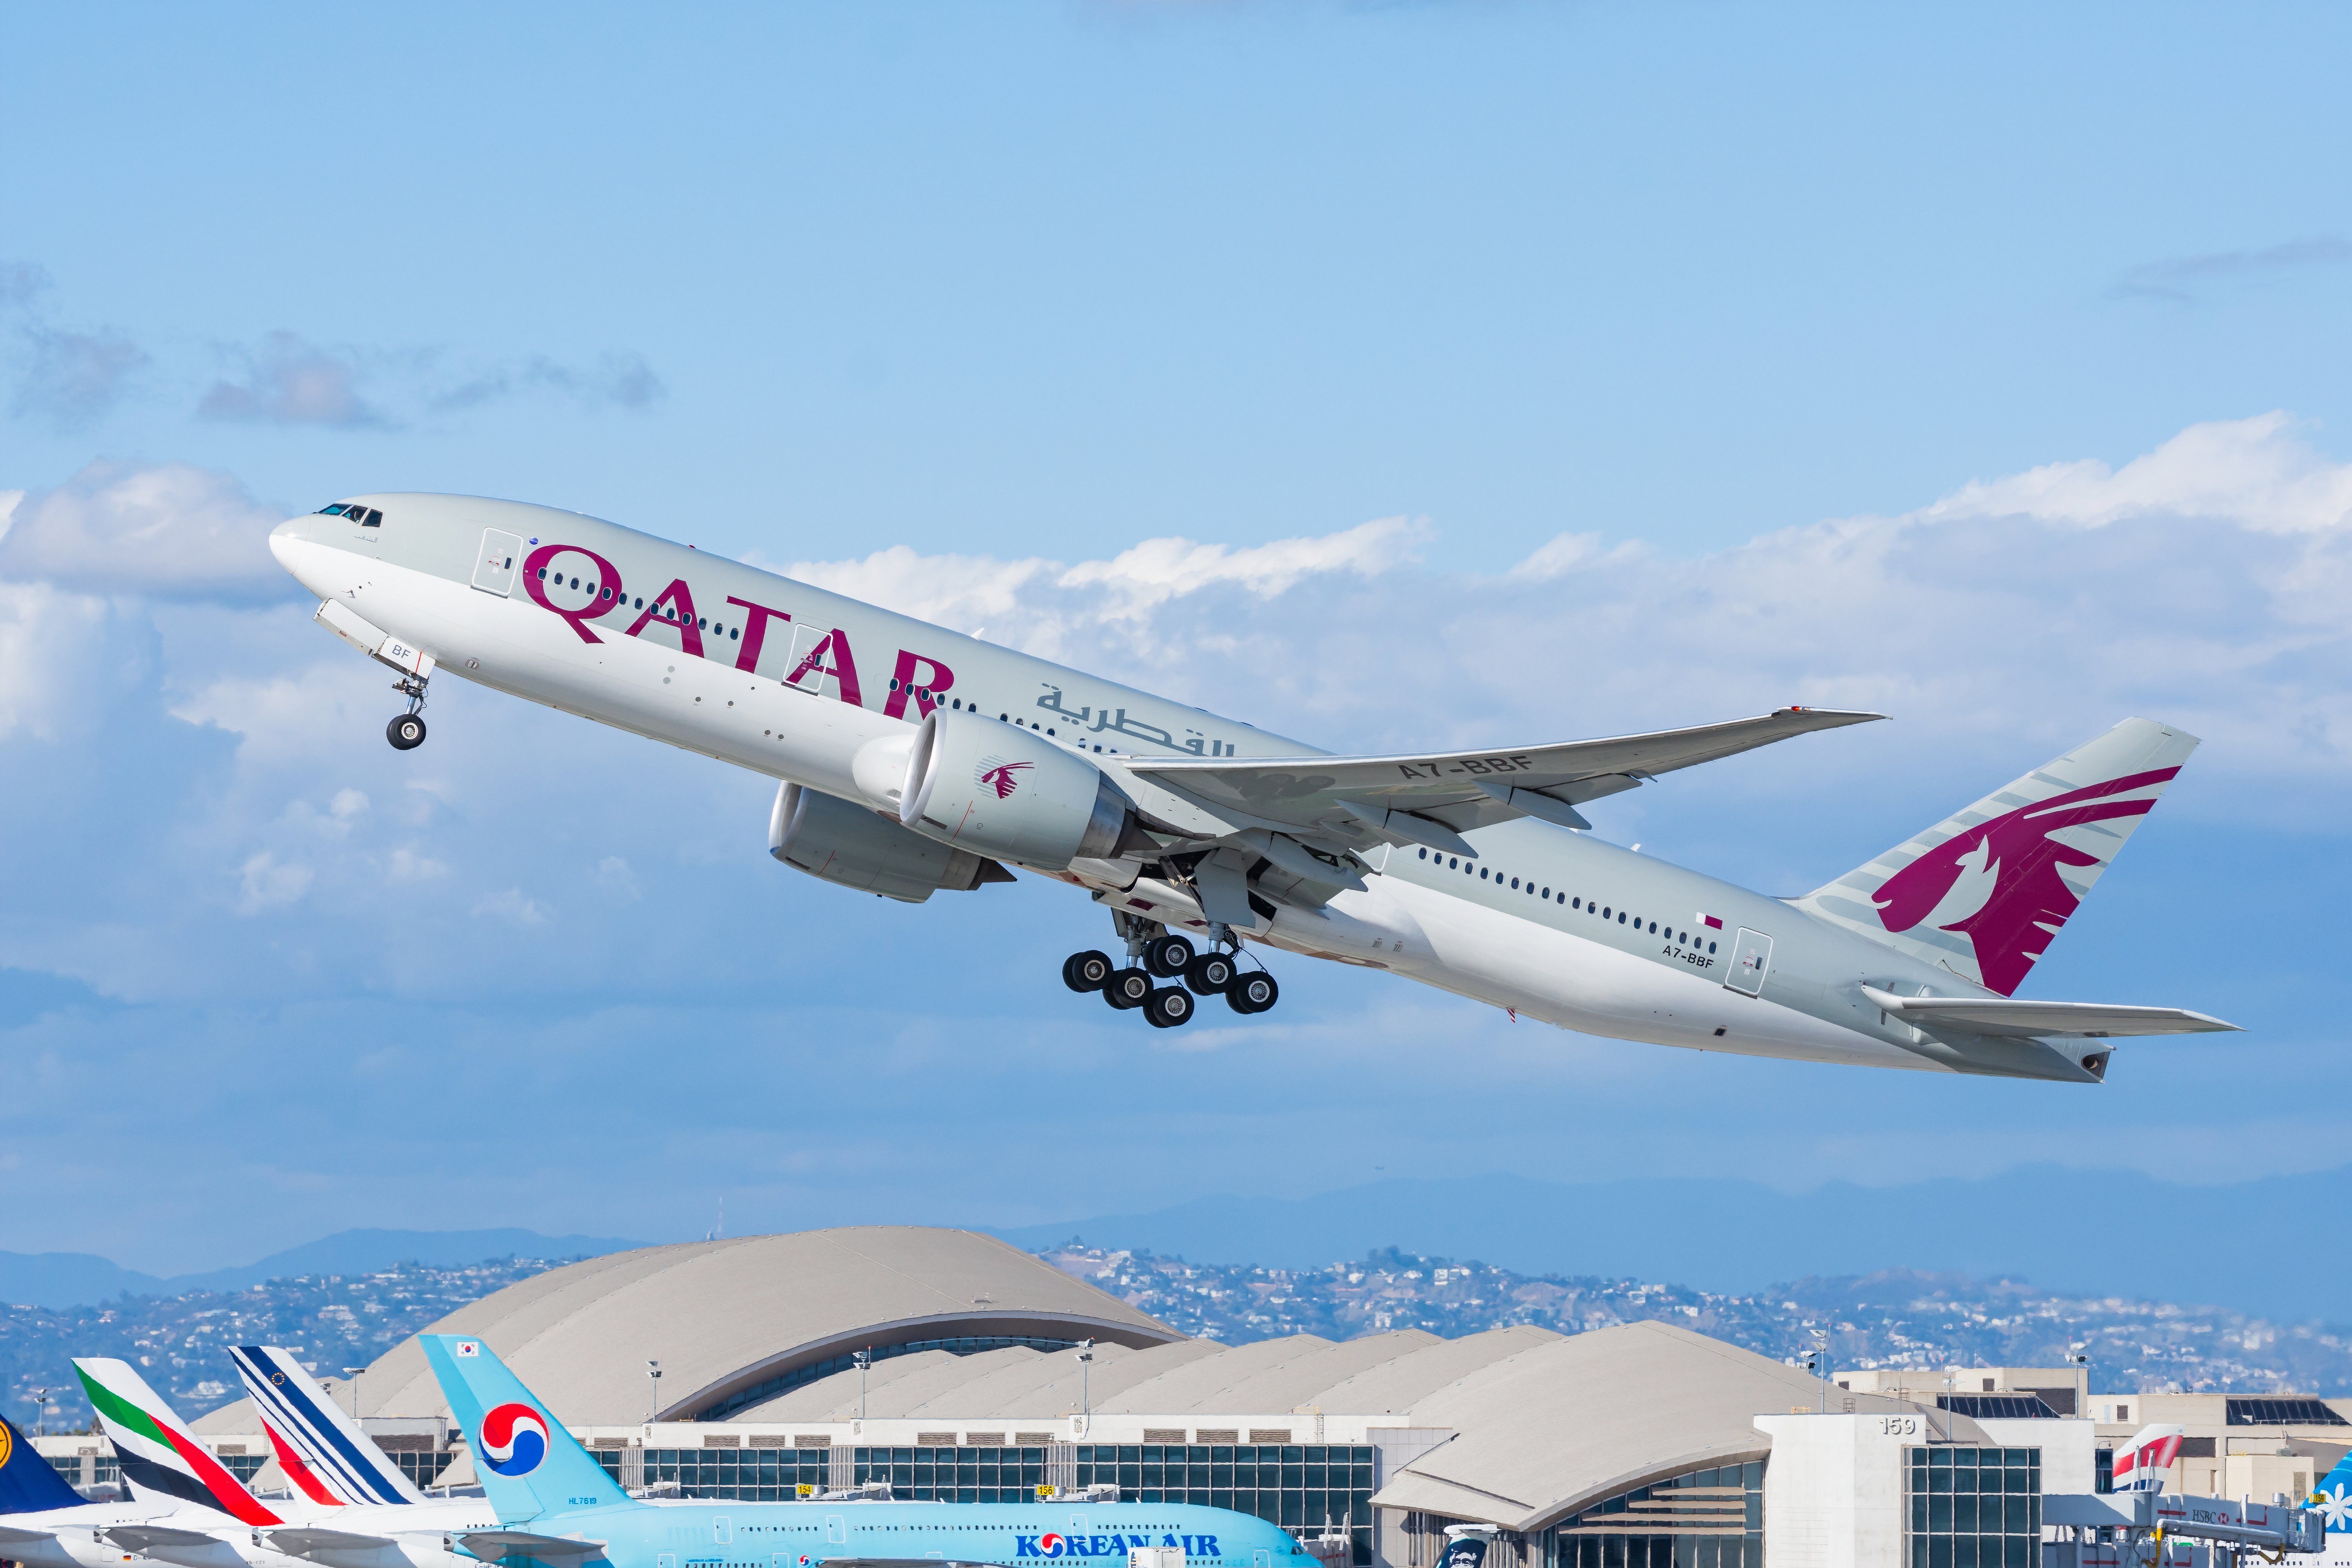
40	1410
354	1374
863	1359
1086	1397
2082	1365
653	1372
1822	1366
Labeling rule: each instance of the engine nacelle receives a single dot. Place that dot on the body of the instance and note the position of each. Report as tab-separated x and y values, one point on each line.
844	842
998	789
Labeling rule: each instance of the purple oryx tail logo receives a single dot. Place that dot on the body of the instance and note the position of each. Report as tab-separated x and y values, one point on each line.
996	773
1998	883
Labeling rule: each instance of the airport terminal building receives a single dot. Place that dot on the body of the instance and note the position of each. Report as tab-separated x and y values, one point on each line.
955	1367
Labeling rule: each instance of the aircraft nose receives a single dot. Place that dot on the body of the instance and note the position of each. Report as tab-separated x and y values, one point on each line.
282	540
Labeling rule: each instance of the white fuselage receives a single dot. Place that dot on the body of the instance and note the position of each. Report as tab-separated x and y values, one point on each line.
1626	955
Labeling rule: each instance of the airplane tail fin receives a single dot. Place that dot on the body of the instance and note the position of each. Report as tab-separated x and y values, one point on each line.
1984	891
326	1443
160	1458
2145	1463
29	1483
530	1464
2333	1497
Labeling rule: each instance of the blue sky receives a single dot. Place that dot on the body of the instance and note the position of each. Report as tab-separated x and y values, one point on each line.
1387	375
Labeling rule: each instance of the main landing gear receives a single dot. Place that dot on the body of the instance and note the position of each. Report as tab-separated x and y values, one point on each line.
1168	956
406	733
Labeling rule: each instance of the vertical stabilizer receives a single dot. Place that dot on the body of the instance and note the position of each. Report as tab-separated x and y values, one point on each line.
29	1483
1983	892
328	1443
2333	1497
2145	1463
530	1464
160	1458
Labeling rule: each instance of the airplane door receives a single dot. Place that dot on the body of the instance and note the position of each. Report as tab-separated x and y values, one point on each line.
722	1532
806	638
494	564
1751	960
836	1530
666	1560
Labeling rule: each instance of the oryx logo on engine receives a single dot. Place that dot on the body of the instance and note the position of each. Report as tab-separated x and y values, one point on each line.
996	773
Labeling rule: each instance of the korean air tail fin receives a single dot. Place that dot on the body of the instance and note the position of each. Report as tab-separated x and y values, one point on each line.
2145	1463
29	1483
529	1465
160	1458
325	1444
1984	891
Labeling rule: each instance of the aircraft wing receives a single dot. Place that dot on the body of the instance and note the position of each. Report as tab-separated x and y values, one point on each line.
298	1541
12	1536
2001	1015
1432	797
493	1545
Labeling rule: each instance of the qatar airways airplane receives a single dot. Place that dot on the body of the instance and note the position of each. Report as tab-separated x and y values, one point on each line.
912	760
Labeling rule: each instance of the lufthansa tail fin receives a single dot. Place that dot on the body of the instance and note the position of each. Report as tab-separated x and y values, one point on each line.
326	1442
530	1464
1983	891
160	1456
29	1483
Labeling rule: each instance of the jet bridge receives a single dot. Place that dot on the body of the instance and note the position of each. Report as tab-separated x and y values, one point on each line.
2167	1530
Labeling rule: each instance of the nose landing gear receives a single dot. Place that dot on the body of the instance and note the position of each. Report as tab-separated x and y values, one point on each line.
406	733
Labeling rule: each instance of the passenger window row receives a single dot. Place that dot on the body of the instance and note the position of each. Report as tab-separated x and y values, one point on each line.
1580	904
365	516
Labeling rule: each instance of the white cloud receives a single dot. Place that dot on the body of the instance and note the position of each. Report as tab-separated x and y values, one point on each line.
288	380
74	379
513	906
406	865
169	529
54	647
265	882
623	380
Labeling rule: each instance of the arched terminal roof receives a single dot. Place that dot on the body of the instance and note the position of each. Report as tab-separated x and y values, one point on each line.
730	1320
1563	1423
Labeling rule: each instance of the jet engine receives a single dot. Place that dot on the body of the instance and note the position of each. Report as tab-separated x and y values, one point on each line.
846	843
998	789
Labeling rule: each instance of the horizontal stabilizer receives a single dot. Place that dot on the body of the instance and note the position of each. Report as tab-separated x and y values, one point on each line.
1452	792
146	1537
301	1542
12	1536
2005	1016
493	1544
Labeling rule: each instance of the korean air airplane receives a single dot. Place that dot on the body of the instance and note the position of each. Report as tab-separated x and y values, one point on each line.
557	1507
912	760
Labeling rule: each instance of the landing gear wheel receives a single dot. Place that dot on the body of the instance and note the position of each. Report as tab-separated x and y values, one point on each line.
1211	974
1085	971
1127	988
405	732
1167	956
1169	1006
1253	992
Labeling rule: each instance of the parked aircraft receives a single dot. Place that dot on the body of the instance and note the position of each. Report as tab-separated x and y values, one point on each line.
1207	841
560	1506
45	1524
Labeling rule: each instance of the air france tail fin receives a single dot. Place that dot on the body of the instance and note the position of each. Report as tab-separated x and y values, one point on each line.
529	1465
1983	891
160	1458
29	1483
2145	1463
325	1441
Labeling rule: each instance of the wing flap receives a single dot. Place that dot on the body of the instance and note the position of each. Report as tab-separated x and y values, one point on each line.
2005	1016
1540	781
493	1544
300	1542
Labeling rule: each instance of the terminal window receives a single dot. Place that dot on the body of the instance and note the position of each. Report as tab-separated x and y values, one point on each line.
733	1475
1974	1508
954	1475
1712	1518
1307	1488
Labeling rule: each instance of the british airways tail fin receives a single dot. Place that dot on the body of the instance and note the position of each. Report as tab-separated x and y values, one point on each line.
29	1483
325	1442
530	1464
160	1458
2145	1463
1984	891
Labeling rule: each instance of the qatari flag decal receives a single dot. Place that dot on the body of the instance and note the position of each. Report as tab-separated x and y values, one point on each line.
1712	922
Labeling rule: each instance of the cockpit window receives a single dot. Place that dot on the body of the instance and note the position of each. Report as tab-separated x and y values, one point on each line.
335	511
365	516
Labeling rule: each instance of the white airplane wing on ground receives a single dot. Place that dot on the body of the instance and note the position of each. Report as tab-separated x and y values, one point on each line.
1433	797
